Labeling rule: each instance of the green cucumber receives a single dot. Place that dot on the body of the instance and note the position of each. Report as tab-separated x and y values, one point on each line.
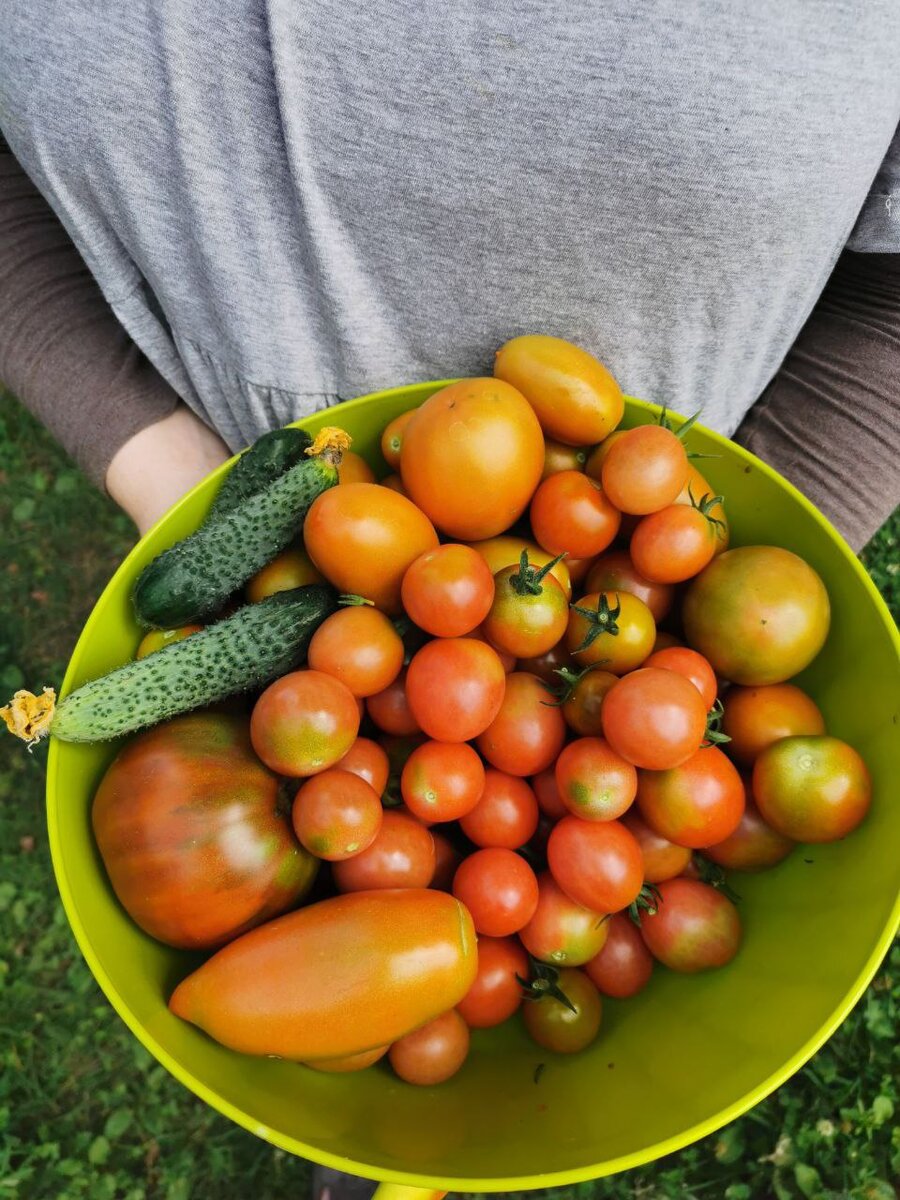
266	460
256	644
196	576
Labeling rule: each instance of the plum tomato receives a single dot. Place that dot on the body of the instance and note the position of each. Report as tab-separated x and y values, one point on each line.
448	591
336	815
498	888
432	1053
613	630
594	782
401	856
655	719
455	688
392	438
559	457
348	1062
547	793
390	710
615	572
528	732
442	781
811	789
696	804
662	859
369	761
754	845
506	551
676	543
562	932
292	568
353	468
596	863
691	665
644	470
583	702
624	965
529	614
496	993
570	514
304	723
506	814
755	717
557	1027
359	646
695	927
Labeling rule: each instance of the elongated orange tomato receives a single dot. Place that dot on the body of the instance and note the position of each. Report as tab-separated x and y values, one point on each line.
338	978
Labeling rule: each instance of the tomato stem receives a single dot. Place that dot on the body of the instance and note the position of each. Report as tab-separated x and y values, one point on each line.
527	580
544	982
714	735
648	900
570	680
704	507
684	428
713	874
350	600
601	621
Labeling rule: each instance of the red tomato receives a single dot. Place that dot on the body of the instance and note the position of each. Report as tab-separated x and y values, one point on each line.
613	630
570	514
597	863
401	856
562	932
304	723
442	781
432	1053
547	793
753	846
390	709
354	469
359	646
369	761
615	572
755	717
655	719
546	666
336	815
674	544
499	889
507	661
496	993
506	815
448	591
644	470
812	789
527	733
455	688
582	709
662	858
530	611
555	1026
624	965
392	438
694	927
696	804
446	860
594	782
692	666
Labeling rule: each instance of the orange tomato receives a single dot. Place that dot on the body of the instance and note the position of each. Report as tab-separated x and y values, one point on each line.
359	646
354	469
291	568
156	639
698	487
559	457
349	1062
392	438
506	551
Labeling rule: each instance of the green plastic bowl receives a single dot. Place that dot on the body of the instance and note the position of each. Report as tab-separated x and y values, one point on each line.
671	1065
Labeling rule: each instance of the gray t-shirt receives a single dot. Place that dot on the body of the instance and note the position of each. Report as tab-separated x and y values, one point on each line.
288	203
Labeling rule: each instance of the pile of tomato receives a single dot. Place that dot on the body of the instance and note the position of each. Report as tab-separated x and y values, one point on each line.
554	692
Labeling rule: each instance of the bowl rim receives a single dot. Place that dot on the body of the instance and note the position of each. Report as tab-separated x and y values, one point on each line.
315	1154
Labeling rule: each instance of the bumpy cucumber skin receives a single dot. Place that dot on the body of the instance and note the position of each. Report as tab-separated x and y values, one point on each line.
196	576
256	644
265	461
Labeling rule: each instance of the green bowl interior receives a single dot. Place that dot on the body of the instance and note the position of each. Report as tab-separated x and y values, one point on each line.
671	1064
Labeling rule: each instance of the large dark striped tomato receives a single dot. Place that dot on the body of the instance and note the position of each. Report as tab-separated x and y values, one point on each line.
195	844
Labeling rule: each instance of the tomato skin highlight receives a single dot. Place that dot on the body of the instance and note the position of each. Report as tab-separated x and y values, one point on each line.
455	687
662	859
594	782
432	1053
597	864
755	717
555	1027
442	781
644	470
283	990
812	789
754	845
615	572
506	814
303	723
692	666
499	889
400	856
562	932
495	993
624	965
696	804
655	719
527	733
694	928
336	815
359	646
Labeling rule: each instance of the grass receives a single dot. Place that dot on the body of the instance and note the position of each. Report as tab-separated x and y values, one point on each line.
85	1111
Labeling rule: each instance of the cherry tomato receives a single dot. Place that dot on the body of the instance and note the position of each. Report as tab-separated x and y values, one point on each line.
369	761
499	889
496	993
354	469
674	544
559	457
579	568
359	646
759	614
662	859
655	719
432	1053
692	666
455	688
472	456
401	856
506	550
546	666
157	638
615	572
583	707
694	927
530	612
665	641
577	400
292	568
527	733
624	965
395	483
570	514
336	815
547	793
757	716
644	470
697	486
597	863
812	789
562	932
442	781
594	782
613	630
304	723
555	1026
362	537
507	661
446	860
392	438
696	804
448	591
753	846
598	456
348	1062
390	709
506	815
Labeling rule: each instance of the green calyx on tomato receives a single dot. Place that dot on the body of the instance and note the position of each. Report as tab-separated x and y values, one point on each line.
351	600
544	981
704	507
527	580
564	691
714	735
600	620
711	873
648	900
